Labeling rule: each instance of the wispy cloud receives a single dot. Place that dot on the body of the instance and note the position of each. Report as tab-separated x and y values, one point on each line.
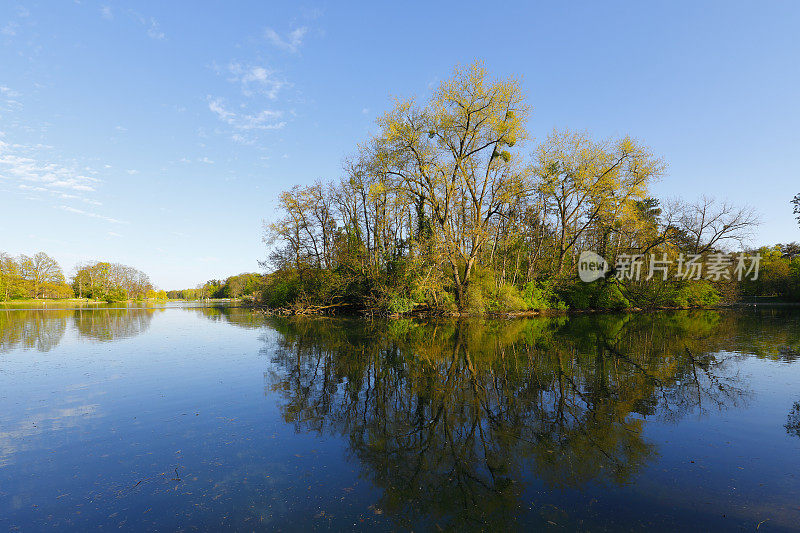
10	29
256	79
151	25
36	172
153	30
90	214
18	167
65	196
290	43
242	139
262	120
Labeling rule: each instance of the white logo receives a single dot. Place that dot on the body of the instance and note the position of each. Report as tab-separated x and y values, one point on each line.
591	266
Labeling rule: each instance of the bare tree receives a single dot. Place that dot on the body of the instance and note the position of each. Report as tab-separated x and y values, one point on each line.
708	224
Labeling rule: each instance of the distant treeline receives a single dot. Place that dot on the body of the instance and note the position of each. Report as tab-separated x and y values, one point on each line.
249	284
41	277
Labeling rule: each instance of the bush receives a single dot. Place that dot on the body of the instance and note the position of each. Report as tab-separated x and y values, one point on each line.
602	294
473	300
400	305
541	296
609	296
116	295
508	298
696	294
484	295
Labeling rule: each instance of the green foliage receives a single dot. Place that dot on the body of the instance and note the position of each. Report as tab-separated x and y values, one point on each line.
400	305
539	295
695	294
779	275
485	295
601	294
116	294
508	298
473	301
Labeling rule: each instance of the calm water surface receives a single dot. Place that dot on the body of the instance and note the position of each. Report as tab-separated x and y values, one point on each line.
202	418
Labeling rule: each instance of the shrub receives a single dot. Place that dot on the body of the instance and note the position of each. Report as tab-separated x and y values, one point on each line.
508	298
696	294
541	296
602	294
116	295
473	300
400	305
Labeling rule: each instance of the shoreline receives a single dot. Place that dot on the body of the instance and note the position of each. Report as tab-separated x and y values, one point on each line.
329	311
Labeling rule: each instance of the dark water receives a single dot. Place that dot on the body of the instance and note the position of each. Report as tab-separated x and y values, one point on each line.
183	419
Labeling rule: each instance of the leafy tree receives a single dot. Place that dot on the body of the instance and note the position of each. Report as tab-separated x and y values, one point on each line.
11	282
42	274
796	203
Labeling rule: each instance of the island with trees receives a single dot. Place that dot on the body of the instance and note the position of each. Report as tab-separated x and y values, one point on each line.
452	208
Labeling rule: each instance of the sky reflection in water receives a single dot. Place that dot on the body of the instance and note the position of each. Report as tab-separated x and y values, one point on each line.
175	418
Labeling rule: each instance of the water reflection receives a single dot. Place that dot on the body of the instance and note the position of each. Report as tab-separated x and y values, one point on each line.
445	417
42	330
112	324
33	330
619	421
793	421
237	316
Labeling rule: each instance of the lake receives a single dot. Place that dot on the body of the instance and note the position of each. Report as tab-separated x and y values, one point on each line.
210	418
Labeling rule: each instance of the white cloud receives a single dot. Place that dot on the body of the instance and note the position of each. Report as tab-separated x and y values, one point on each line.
262	120
8	92
37	174
89	201
241	139
206	160
10	29
90	214
16	165
255	78
132	171
153	30
106	12
291	43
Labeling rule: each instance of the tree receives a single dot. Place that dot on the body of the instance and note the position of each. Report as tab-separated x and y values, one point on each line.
453	157
796	203
42	273
99	278
11	283
591	184
708	224
307	227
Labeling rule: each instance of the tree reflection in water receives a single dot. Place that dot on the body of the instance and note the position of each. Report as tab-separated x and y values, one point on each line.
793	421
32	329
113	324
42	330
445	416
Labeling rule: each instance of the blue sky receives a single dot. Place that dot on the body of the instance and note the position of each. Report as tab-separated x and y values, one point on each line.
159	134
